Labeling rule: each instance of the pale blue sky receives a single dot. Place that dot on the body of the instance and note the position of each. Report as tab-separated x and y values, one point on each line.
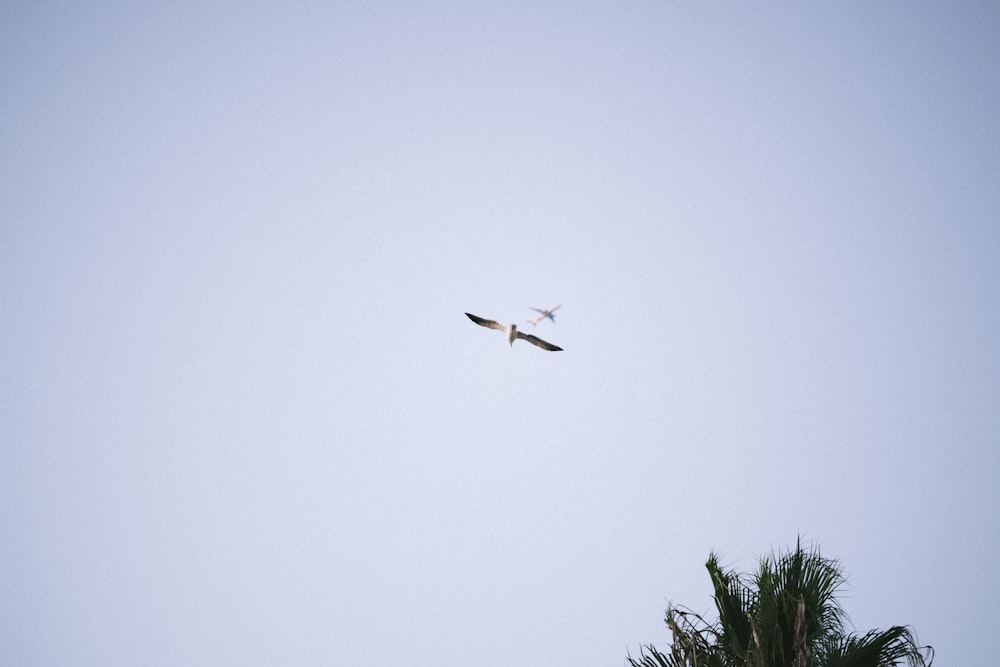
245	421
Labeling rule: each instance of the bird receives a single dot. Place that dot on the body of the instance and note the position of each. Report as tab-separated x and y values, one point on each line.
513	334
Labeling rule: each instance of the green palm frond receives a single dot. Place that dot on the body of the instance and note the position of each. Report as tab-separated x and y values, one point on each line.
887	648
650	657
797	605
732	600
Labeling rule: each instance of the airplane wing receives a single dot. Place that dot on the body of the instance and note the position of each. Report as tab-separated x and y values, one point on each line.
535	340
483	322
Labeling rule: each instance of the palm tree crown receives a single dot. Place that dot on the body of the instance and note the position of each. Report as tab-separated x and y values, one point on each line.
783	615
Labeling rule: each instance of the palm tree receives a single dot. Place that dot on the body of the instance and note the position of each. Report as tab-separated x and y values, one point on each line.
783	615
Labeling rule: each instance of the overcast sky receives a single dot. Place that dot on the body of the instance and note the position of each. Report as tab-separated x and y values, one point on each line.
244	420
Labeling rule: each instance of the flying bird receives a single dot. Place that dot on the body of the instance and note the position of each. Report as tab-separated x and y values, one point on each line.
545	312
512	333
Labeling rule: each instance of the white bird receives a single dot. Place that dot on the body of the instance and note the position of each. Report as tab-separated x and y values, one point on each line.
513	334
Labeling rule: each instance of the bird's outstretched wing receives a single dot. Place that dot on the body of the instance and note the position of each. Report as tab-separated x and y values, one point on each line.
535	340
483	322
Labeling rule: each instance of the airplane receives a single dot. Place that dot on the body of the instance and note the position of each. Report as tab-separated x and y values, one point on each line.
544	313
513	334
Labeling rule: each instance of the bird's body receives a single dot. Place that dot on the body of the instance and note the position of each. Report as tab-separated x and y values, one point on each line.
512	333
